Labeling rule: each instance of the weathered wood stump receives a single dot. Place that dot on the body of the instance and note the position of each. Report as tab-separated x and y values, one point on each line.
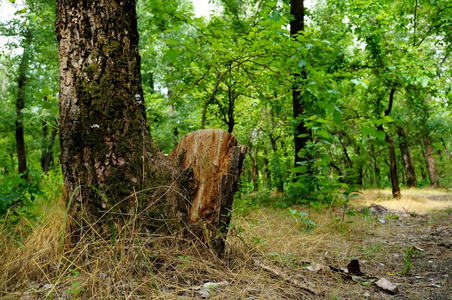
209	164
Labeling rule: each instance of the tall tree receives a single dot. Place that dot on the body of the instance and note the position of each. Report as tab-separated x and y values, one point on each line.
106	146
20	104
407	158
430	161
301	133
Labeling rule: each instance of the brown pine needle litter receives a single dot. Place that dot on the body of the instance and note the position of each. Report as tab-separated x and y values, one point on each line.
271	254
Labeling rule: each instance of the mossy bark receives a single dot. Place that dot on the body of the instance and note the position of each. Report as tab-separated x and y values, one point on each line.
106	146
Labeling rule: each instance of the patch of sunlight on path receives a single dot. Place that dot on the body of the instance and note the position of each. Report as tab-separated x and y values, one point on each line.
412	200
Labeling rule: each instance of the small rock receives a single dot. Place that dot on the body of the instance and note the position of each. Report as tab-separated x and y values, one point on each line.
210	286
46	286
315	267
366	294
387	286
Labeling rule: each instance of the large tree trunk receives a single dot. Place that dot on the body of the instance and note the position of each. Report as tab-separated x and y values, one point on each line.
407	158
111	168
107	157
430	162
301	133
20	105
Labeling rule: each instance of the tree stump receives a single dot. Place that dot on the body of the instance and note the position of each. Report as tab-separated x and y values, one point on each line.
208	164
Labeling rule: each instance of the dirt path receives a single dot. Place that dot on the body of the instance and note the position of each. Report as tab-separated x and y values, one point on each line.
418	257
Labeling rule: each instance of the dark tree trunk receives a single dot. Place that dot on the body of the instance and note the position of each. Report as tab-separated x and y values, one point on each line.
376	166
47	145
109	163
407	159
255	170
347	161
173	118
111	168
360	168
231	104
301	133
20	105
266	169
430	162
393	168
392	156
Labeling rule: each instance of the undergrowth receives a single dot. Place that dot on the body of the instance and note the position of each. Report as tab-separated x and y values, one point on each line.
140	265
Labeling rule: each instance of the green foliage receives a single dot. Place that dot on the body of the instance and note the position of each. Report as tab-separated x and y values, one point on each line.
302	216
16	195
410	253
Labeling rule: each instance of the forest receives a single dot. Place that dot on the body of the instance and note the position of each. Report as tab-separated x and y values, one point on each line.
230	149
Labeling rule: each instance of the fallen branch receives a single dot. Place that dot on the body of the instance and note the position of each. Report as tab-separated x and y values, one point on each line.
280	273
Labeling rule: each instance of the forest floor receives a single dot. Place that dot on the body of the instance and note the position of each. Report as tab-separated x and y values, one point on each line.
272	254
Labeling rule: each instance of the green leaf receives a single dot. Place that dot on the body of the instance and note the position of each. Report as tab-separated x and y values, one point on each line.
172	42
323	133
337	117
388	119
381	135
12	1
368	130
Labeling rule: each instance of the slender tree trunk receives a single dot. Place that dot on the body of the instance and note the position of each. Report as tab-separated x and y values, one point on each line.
347	162
445	149
231	104
301	133
376	166
393	168
407	158
392	156
47	145
430	162
266	169
255	173
173	119
360	169
20	105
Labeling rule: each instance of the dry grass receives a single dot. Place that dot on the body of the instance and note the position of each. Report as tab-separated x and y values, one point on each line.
145	266
412	200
